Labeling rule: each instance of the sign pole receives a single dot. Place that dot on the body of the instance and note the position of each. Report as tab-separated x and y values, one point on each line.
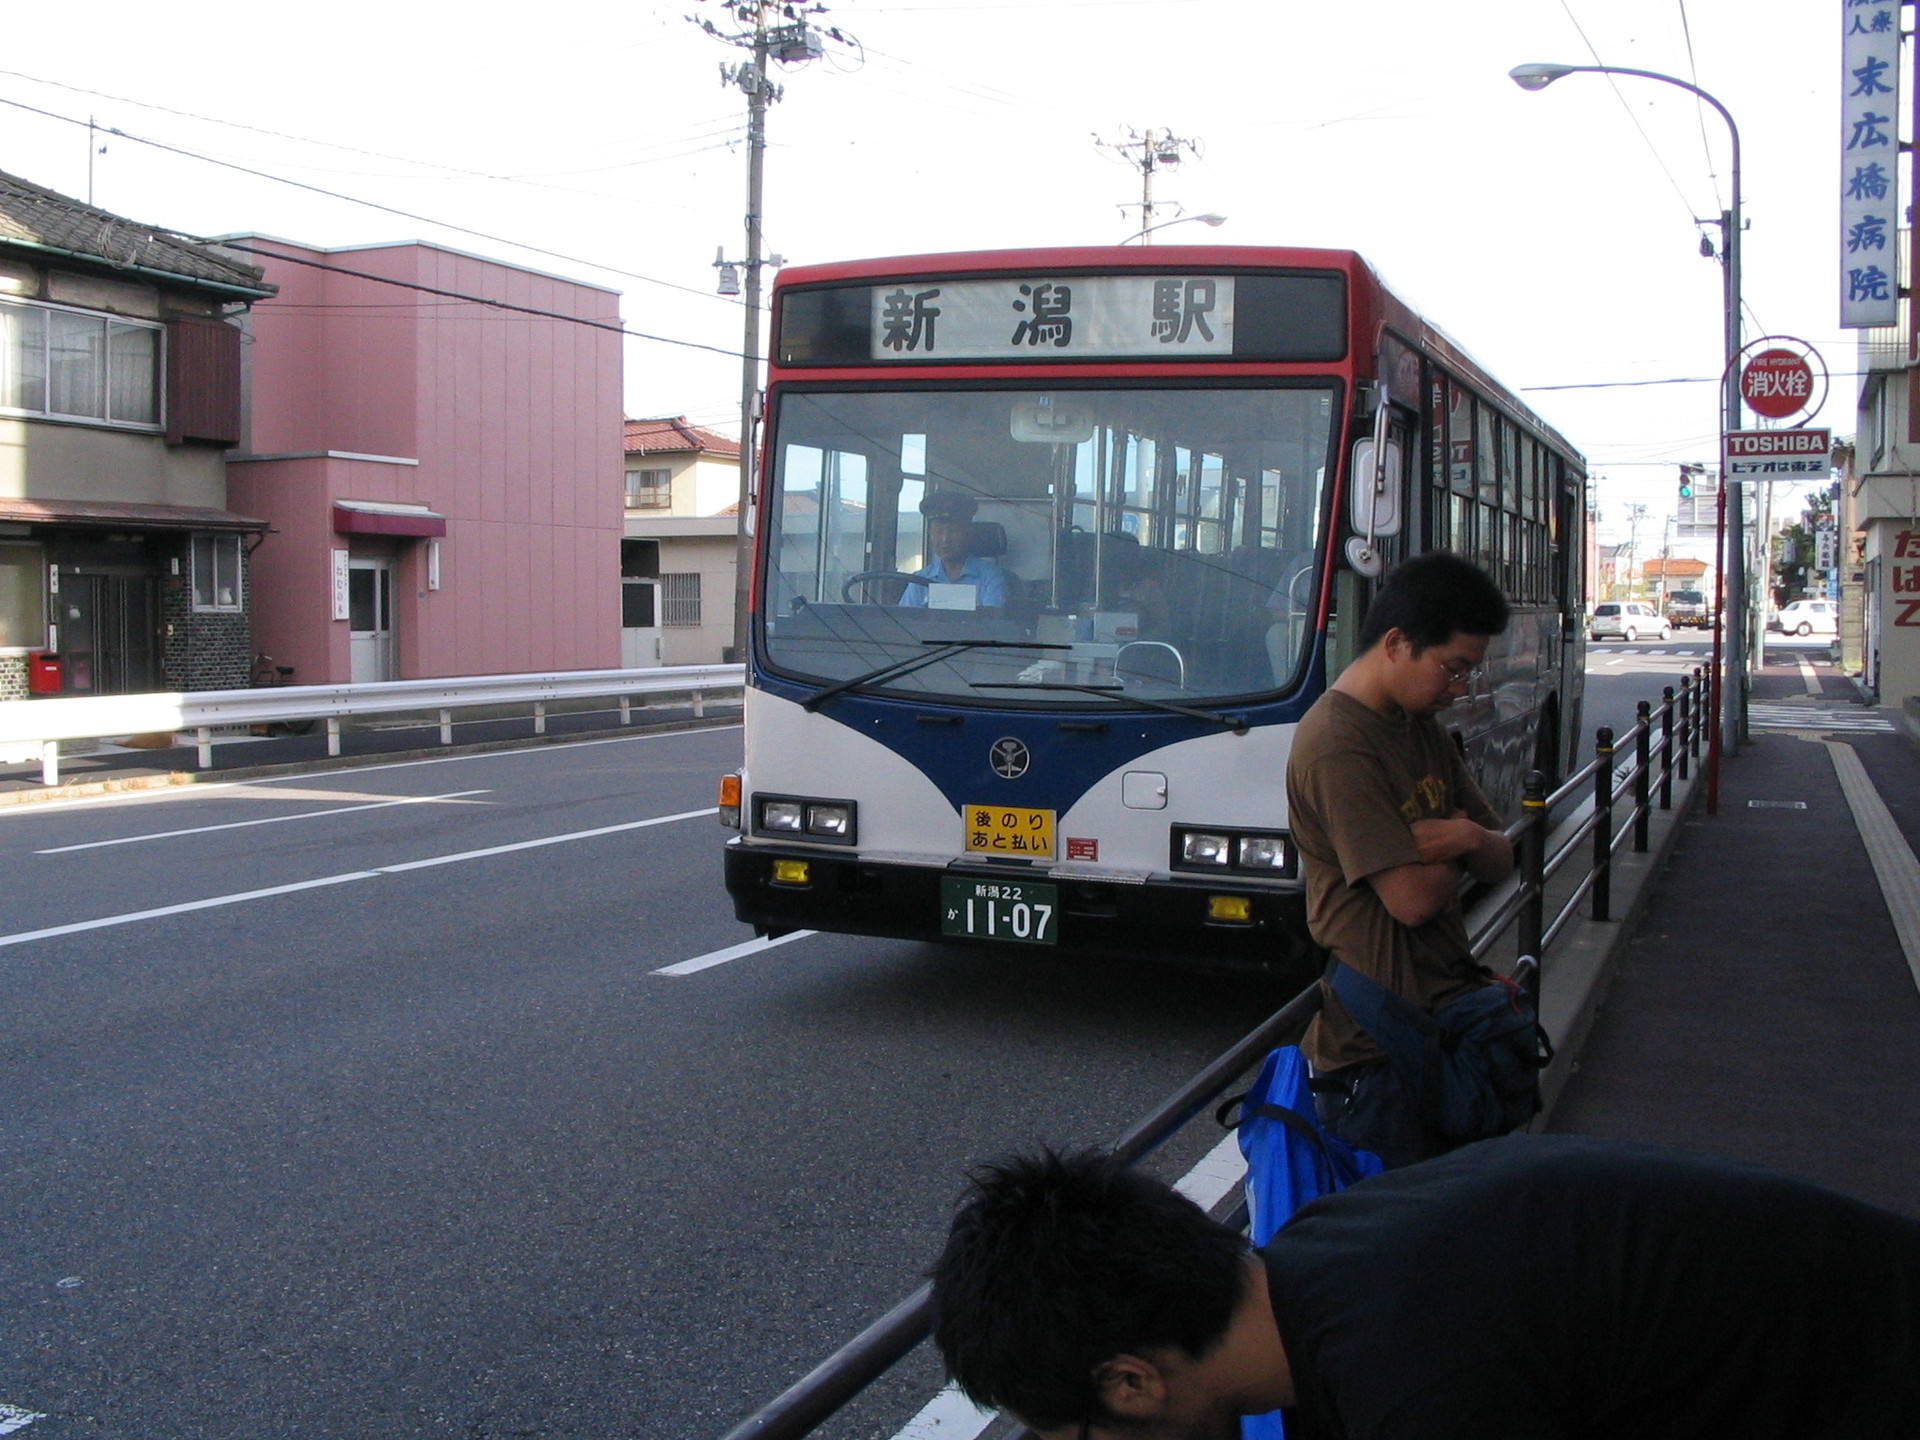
1715	687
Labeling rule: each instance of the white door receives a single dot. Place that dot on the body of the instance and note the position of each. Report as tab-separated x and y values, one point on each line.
370	618
639	624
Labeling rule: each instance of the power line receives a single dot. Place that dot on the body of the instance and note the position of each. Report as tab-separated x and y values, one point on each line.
356	200
615	326
1614	82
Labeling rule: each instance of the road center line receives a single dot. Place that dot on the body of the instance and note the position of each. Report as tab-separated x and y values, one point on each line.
241	897
732	952
268	820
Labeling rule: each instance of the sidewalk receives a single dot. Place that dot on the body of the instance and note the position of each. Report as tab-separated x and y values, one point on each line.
1765	1006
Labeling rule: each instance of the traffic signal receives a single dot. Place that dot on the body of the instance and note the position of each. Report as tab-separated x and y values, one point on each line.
1686	482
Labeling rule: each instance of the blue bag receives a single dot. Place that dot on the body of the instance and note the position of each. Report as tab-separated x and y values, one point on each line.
1290	1160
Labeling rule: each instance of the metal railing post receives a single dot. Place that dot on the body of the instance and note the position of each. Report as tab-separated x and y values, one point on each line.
1686	723
1603	824
539	717
203	742
333	735
446	727
1533	863
1702	715
626	709
1642	774
699	705
49	762
1666	747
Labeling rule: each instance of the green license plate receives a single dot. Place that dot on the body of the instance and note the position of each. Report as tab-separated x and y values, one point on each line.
1000	910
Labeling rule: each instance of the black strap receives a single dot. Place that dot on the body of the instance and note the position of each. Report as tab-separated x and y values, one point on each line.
1292	1119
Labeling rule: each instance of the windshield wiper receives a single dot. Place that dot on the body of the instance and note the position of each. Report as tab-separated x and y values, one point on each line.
1235	723
894	669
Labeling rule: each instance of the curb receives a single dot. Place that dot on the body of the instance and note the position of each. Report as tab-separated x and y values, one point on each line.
171	779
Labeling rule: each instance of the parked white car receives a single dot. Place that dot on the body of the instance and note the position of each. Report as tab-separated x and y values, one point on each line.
1809	617
1627	620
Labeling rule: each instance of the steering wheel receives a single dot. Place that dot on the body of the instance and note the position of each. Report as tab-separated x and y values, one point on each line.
868	576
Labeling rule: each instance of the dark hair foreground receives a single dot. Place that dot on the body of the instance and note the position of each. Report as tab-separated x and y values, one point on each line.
1057	1263
1433	597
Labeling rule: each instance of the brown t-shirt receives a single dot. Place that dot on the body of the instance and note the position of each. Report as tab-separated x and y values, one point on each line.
1356	782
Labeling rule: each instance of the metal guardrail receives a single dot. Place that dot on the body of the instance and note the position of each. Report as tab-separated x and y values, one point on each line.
1589	798
33	729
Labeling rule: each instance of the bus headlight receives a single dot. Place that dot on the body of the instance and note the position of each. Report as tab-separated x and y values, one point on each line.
1201	848
780	815
828	822
1263	852
1249	852
832	820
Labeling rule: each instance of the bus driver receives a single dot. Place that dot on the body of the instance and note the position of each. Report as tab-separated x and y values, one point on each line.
949	539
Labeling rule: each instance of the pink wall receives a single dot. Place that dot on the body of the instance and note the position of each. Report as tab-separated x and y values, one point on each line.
516	422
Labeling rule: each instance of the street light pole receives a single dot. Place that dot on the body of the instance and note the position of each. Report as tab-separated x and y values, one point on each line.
1733	706
1212	220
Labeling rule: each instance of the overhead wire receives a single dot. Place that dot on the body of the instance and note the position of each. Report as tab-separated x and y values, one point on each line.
369	204
1613	81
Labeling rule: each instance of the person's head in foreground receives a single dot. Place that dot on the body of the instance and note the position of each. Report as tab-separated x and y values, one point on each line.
1426	633
1091	1300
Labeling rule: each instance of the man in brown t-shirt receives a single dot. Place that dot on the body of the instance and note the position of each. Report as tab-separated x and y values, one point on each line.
1388	821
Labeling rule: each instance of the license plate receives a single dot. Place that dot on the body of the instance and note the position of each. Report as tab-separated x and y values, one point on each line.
1008	830
1000	910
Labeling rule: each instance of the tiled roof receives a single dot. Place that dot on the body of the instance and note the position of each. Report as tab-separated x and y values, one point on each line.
672	434
34	215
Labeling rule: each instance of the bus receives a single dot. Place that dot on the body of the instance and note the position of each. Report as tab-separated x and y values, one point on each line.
1055	547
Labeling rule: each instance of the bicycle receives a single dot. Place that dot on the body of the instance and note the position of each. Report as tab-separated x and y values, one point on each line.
268	676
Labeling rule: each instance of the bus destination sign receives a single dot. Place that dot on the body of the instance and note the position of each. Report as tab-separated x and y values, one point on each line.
1031	317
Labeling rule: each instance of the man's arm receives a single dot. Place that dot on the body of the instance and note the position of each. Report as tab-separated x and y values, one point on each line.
1483	853
1414	894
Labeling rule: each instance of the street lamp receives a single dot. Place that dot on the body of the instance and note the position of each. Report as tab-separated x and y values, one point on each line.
1733	707
1213	220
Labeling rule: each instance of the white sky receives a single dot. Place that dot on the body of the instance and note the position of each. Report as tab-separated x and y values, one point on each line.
1553	234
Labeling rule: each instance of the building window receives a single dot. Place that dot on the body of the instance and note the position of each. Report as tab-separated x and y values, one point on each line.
23	596
78	365
680	599
636	604
649	489
216	572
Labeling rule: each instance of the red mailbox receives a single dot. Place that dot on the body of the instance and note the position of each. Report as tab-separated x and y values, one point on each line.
45	674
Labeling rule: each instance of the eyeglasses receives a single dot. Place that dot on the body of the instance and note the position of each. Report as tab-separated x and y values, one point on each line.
1458	674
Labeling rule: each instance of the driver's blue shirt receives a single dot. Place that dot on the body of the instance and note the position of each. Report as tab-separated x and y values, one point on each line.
989	581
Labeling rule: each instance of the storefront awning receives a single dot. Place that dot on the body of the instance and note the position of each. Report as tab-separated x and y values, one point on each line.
383	517
116	515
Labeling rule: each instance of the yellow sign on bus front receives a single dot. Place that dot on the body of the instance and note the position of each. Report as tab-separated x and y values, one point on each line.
1008	830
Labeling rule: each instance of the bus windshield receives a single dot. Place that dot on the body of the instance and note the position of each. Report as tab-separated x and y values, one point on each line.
1072	544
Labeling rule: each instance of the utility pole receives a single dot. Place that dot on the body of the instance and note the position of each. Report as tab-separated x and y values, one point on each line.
774	31
1148	153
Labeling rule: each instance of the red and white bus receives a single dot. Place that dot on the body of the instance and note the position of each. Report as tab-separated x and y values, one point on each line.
1054	547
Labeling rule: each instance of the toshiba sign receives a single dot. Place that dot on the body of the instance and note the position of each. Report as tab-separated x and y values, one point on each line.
1778	454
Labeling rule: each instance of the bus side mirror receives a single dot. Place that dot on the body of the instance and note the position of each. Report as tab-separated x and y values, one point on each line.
1373	496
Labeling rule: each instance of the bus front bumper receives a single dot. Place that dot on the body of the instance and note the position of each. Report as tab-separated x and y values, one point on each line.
1165	918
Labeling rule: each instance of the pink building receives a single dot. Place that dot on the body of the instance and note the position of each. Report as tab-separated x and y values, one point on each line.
443	477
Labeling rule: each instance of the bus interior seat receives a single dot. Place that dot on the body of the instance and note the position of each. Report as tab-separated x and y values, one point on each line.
1231	597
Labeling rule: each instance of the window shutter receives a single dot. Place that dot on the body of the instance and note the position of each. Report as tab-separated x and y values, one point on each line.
203	381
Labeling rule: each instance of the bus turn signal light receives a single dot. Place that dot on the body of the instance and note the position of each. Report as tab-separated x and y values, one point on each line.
730	800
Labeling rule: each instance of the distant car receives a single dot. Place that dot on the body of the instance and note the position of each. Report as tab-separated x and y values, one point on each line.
1809	617
1626	620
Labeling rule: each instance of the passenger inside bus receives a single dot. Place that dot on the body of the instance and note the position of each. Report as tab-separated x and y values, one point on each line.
958	559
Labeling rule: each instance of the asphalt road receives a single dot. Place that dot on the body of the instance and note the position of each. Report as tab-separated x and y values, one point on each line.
356	1105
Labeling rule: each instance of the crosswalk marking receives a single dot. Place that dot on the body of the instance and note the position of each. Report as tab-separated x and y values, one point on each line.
1766	716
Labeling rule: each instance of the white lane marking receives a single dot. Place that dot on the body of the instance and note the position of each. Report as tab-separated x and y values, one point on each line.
1894	865
195	790
1219	1170
732	952
269	820
13	1417
216	901
951	1416
948	1416
1616	660
1808	677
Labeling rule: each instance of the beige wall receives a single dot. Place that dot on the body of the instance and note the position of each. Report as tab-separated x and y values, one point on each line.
712	558
42	460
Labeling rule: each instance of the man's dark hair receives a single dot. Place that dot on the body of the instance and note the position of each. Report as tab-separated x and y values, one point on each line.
1433	597
1057	1263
